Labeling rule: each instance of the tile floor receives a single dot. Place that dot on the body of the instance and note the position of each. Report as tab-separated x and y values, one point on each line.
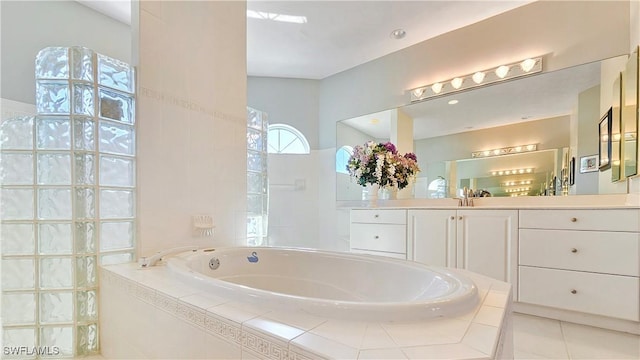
539	338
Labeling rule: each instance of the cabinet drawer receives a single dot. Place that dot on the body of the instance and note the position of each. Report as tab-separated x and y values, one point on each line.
595	251
380	253
390	238
601	219
600	294
379	216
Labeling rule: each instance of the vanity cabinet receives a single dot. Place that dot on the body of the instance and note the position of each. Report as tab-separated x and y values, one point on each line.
379	232
482	241
581	260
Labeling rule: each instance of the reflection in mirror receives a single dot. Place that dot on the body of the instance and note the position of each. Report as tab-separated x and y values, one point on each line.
532	110
615	131
630	115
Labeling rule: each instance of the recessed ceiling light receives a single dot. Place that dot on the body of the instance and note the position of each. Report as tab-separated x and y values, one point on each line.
452	102
398	34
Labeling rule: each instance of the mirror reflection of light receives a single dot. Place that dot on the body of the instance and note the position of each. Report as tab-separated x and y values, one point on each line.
456	83
436	88
478	77
527	65
502	71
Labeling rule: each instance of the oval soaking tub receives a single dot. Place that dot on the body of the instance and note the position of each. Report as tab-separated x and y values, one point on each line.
329	284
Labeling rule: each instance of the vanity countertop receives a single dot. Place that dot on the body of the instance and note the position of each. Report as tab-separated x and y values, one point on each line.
610	201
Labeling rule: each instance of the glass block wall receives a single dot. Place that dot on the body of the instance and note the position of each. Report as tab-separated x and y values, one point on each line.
67	201
257	180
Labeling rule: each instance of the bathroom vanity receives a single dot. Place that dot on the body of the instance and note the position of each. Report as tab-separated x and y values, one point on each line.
565	259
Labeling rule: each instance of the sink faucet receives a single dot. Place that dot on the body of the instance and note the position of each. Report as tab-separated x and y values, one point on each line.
152	260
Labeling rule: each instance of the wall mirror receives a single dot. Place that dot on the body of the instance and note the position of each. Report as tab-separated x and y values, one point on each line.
630	115
531	110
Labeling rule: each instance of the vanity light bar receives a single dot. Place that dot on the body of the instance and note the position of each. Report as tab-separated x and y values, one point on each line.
479	78
505	151
516	183
512	172
518	190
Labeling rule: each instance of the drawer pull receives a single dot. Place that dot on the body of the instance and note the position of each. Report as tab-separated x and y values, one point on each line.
574	250
453	218
376	216
574	291
459	217
376	237
574	219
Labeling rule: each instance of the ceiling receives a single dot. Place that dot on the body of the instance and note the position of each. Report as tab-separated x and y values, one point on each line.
338	35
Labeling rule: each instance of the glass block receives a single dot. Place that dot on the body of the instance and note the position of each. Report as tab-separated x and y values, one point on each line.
254	203
56	273
115	74
17	239
255	161
54	169
55	239
256	183
56	307
116	235
81	63
16	169
111	259
85	206
116	106
18	337
52	63
254	140
18	309
16	204
17	133
18	274
85	169
86	272
87	305
116	138
254	119
83	99
87	339
116	204
54	204
52	97
85	237
254	225
83	133
59	337
53	133
116	171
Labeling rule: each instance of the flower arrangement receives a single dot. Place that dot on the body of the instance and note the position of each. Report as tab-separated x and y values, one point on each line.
379	163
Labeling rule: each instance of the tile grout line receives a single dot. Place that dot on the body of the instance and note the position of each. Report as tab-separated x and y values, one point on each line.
564	340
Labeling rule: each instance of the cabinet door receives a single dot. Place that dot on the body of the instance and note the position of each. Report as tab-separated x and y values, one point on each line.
487	243
432	235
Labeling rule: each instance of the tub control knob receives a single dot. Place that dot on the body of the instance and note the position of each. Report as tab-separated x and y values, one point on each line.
574	291
214	263
574	219
574	250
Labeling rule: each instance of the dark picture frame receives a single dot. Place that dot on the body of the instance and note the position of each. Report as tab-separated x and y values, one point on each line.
604	139
572	171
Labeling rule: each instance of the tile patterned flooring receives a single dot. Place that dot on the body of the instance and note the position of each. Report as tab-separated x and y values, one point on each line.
539	338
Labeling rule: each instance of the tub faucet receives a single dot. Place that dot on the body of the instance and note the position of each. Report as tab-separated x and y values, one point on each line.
152	260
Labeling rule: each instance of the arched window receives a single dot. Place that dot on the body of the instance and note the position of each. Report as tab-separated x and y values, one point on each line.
285	139
342	159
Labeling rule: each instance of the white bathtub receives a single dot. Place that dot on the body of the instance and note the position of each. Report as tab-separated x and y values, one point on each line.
329	284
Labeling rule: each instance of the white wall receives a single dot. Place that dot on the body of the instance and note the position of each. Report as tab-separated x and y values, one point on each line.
191	117
29	26
586	139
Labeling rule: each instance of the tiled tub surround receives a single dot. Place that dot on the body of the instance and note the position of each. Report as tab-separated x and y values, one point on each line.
148	313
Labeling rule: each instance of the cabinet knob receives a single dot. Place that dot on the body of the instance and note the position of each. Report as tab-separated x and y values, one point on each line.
453	218
376	216
574	219
376	237
459	217
574	291
574	250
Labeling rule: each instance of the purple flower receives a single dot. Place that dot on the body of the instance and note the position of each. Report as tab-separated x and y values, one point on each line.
391	148
411	156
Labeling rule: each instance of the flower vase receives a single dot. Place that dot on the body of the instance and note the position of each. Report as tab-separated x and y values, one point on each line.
373	195
393	193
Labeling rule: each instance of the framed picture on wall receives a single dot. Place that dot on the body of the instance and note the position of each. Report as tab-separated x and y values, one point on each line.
588	164
604	136
572	171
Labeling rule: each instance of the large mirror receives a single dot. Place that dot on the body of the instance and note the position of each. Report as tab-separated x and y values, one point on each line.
534	110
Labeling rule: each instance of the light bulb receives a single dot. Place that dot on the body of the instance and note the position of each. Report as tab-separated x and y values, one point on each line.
486	153
436	88
418	92
531	147
527	65
478	77
456	83
496	152
502	71
518	148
